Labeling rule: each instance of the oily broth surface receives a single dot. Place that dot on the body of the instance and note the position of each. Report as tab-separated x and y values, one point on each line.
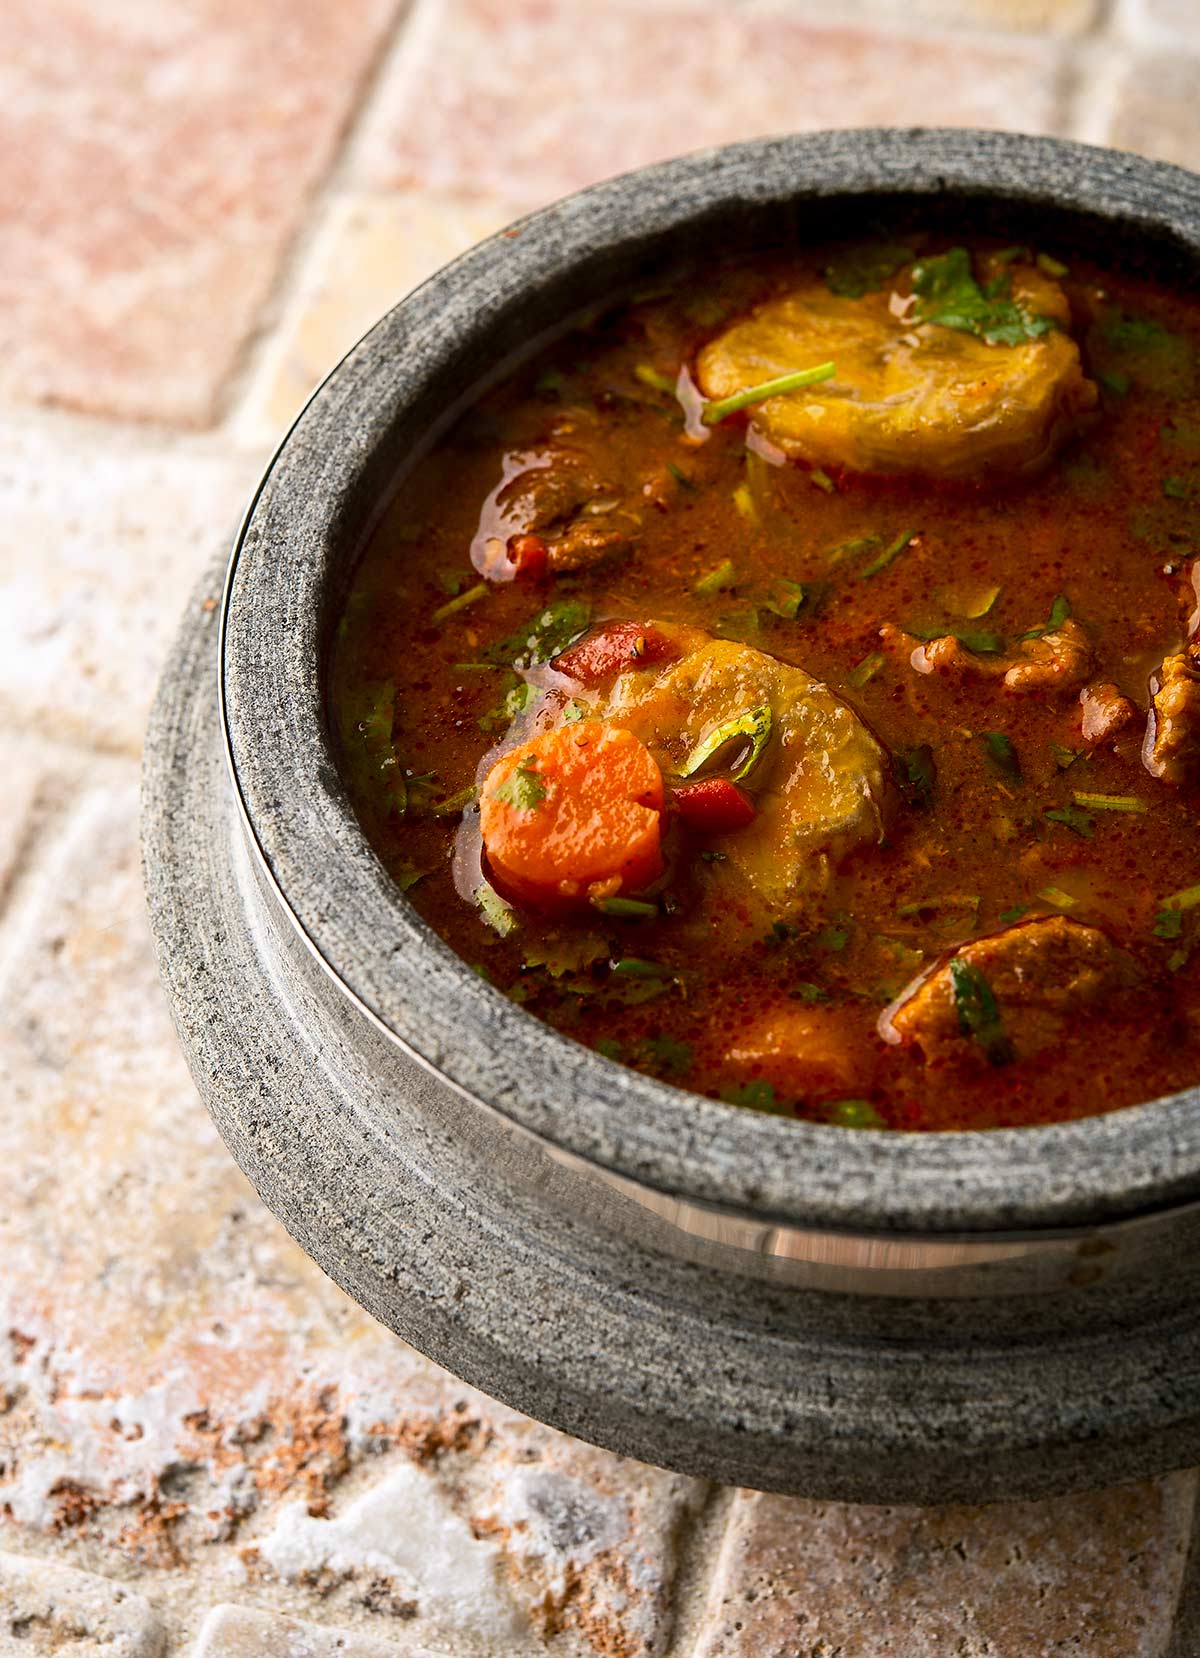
1110	526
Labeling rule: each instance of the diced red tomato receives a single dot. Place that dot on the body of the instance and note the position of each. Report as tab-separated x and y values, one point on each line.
529	555
714	806
610	649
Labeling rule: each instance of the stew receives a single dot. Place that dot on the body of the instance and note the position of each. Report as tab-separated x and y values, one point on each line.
788	684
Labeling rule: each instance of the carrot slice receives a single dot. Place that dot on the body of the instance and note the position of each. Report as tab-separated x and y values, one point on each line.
610	649
573	813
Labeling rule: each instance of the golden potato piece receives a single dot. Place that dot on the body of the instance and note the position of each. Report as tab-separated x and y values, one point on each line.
820	783
907	396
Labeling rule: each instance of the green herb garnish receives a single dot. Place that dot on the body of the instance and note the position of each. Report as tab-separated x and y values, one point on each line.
1073	818
498	915
1175	489
1057	898
916	774
634	908
978	1014
459	602
1003	755
680	476
1168	924
666	1056
758	1095
1059	611
716	581
983	644
455	802
865	269
807	991
754	726
853	1114
863	672
786	599
890	552
822	480
948	295
637	967
1014	914
610	1048
850	549
545	635
1110	802
650	376
407	876
523	789
713	413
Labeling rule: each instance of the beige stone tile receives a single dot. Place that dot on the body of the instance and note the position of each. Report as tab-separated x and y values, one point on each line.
100	543
157	160
183	1392
1096	1574
48	1608
526	99
1055	17
371	252
241	1632
1155	108
1161	20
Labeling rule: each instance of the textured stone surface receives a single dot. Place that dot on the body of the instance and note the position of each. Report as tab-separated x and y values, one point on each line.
156	160
49	1608
240	1632
96	559
1098	1575
1155	106
503	96
1176	20
368	255
1051	16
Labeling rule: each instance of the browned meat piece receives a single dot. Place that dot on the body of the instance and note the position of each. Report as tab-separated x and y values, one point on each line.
562	494
946	655
1058	661
1106	710
1040	975
1172	746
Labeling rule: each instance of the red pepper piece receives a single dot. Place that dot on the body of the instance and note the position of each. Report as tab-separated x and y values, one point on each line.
609	649
529	555
714	806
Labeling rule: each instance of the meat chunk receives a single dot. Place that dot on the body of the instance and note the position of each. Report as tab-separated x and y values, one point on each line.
908	396
1106	711
566	495
1172	746
1010	995
1058	661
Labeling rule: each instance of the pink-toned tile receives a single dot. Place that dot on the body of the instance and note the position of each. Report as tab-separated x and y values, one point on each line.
527	99
1097	1575
154	162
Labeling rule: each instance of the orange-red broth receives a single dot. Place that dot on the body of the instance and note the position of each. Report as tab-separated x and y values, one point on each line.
1111	526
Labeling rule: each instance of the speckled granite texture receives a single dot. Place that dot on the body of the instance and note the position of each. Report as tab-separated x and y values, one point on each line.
201	206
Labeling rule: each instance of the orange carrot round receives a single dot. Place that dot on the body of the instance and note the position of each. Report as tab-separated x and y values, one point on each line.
573	814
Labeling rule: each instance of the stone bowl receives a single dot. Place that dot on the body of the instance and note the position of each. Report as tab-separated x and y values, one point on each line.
844	1314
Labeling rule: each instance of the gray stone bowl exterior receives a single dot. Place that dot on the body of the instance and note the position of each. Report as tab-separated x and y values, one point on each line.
843	1314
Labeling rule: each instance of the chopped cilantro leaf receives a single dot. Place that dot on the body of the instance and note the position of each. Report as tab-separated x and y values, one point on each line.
523	789
832	938
948	295
1013	914
610	1048
665	1056
637	967
680	476
544	635
1168	924
758	1095
1059	611
636	908
891	552
1175	489
853	1114
786	598
916	774
498	915
807	991
978	1014
1072	817
1003	755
